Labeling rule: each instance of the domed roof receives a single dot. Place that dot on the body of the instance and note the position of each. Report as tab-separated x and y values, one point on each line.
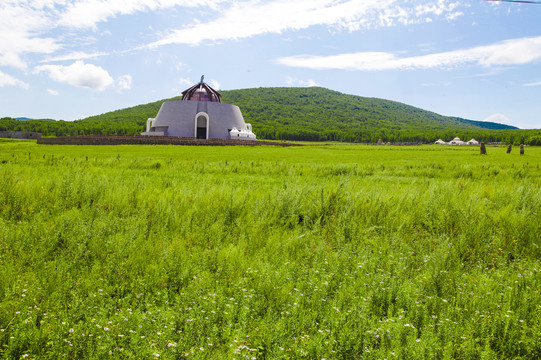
201	92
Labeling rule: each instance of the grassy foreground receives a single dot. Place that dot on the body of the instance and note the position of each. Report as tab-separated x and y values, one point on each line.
336	252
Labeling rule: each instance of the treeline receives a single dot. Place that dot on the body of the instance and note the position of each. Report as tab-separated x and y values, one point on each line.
129	121
515	137
70	128
305	114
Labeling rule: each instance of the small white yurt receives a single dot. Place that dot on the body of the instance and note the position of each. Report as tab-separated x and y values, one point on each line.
456	141
473	142
440	142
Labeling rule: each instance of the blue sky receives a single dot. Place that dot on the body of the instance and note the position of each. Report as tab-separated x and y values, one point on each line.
71	59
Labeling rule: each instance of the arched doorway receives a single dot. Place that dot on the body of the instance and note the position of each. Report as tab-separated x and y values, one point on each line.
201	126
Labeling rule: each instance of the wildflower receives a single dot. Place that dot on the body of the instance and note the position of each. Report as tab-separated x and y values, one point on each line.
71	331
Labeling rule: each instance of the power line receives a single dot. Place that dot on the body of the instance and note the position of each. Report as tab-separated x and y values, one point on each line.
518	1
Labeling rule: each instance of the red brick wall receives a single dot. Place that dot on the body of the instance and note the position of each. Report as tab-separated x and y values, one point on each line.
150	140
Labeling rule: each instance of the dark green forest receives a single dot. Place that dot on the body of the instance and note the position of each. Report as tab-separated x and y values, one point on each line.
307	114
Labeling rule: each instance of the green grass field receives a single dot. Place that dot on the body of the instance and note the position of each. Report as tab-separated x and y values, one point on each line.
331	251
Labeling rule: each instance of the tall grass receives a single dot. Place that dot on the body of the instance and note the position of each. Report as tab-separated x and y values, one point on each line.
313	252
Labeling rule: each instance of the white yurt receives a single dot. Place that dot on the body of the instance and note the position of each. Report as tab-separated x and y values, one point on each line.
456	141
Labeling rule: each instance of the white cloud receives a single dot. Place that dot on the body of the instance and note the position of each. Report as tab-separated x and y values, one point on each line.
52	92
291	81
8	80
23	22
498	118
215	84
536	83
76	55
124	82
509	52
78	74
453	16
185	82
87	13
180	66
243	19
26	24
438	8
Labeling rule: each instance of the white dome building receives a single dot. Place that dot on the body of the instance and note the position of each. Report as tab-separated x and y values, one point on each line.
456	141
201	115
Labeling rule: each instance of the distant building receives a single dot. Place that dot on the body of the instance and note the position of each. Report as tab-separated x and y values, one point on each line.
200	114
456	141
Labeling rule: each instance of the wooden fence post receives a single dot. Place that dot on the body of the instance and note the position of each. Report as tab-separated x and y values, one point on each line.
483	149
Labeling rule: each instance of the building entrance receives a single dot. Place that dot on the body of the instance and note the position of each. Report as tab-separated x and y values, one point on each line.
201	127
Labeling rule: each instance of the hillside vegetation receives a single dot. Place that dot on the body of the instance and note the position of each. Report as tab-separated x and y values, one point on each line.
314	114
321	114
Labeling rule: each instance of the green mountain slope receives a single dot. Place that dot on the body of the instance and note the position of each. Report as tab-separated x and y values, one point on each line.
277	111
313	113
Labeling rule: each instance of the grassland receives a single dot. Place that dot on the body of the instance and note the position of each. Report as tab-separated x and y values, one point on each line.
336	252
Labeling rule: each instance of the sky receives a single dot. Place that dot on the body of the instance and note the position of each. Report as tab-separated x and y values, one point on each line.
66	60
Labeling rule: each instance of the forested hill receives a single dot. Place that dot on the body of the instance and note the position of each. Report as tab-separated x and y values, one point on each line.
316	113
312	113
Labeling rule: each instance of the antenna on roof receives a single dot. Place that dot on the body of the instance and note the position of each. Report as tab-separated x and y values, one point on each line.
202	78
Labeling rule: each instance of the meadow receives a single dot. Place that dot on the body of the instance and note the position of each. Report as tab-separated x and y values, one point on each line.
316	252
